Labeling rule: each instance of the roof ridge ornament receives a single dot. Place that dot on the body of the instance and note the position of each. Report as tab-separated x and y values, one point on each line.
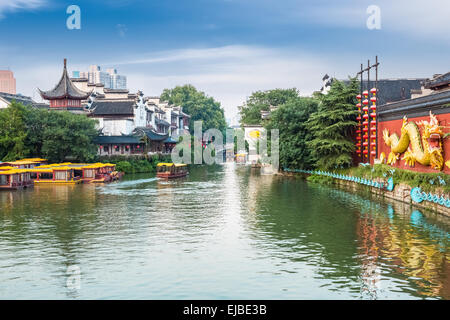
65	89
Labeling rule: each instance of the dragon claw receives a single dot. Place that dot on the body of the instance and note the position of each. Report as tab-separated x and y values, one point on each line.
392	157
409	158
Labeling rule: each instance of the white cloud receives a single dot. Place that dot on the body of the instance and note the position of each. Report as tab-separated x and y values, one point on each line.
407	17
17	5
229	73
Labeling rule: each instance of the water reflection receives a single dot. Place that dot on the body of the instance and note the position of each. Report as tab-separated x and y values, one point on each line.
362	244
221	232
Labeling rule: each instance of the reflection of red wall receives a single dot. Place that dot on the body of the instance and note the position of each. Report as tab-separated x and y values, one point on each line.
395	126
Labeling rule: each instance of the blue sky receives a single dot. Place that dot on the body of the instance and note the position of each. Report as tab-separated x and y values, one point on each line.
227	48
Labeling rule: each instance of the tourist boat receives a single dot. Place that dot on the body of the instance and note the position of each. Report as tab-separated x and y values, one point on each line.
241	158
79	172
37	161
171	170
21	164
15	179
100	173
54	175
27	172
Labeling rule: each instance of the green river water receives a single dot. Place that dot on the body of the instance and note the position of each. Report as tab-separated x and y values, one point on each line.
224	232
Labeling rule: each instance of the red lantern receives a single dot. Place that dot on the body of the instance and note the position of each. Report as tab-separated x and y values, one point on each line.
101	147
138	146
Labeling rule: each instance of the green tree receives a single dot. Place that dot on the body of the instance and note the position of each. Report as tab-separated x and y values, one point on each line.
66	135
26	131
291	121
13	132
261	101
198	105
333	125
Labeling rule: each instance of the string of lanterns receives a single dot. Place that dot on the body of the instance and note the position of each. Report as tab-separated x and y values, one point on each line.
366	126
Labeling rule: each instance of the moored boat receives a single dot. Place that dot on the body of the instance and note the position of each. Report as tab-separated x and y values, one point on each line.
171	170
15	179
54	175
100	173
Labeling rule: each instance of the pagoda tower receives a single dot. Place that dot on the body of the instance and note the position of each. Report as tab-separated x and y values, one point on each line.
65	96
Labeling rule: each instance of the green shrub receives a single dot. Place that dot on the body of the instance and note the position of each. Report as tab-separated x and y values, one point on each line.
124	166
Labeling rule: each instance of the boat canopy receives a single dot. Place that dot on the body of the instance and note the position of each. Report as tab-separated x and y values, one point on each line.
34	159
9	172
171	164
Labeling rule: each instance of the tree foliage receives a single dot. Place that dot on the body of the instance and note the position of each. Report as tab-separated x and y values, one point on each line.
56	136
332	126
13	132
198	105
291	121
261	101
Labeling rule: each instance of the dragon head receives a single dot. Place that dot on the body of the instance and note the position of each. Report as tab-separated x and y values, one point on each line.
432	138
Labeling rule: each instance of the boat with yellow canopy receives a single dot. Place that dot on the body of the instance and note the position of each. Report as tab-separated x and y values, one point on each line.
171	170
54	175
14	179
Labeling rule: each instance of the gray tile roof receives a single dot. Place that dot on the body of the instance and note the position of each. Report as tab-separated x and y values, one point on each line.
440	81
64	89
41	105
117	139
17	97
151	134
393	90
162	122
121	107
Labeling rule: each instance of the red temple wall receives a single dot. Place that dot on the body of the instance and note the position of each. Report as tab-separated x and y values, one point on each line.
395	126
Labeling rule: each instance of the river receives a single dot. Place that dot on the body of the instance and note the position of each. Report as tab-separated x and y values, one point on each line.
224	232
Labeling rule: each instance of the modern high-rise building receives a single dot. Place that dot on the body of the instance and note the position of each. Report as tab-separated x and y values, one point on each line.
117	81
7	82
110	79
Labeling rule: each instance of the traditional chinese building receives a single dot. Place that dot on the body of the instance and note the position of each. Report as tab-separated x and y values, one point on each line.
65	95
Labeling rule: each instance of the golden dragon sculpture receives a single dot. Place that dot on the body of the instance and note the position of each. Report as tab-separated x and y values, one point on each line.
425	149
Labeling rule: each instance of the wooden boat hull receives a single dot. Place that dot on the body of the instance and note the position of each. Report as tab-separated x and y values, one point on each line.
57	182
17	187
115	176
166	175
